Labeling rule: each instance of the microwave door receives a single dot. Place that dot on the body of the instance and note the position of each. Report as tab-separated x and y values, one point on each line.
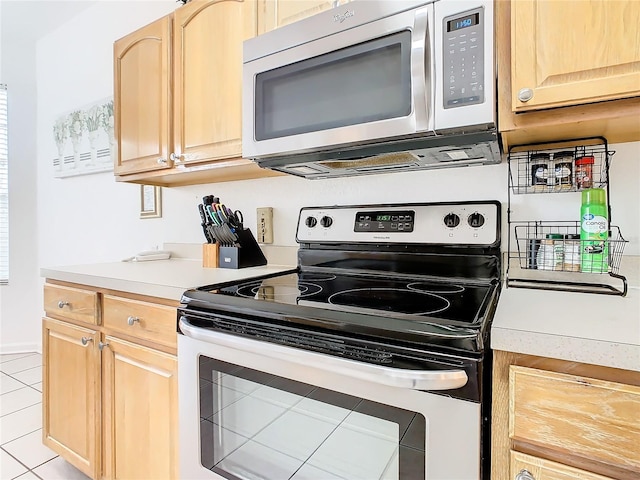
362	84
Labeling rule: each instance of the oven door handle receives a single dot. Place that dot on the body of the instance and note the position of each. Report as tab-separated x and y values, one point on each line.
393	377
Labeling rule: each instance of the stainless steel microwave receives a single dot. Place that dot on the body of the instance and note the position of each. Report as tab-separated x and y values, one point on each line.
373	87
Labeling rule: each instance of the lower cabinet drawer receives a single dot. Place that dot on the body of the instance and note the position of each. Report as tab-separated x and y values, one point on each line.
526	467
72	303
581	416
148	321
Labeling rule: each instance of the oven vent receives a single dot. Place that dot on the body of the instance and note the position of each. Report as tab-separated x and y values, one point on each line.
309	341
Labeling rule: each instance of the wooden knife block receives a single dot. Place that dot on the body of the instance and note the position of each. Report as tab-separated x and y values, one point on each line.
210	253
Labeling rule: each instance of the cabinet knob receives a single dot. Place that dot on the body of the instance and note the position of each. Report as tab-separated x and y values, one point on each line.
132	320
86	340
175	157
162	161
525	94
62	304
102	345
524	475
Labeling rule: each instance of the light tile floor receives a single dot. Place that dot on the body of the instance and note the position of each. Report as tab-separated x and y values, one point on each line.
22	454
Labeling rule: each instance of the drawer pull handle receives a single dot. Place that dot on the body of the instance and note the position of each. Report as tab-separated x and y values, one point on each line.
86	340
62	304
525	475
102	345
132	320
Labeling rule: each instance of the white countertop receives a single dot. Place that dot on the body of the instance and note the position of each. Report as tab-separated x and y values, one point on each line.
583	327
160	278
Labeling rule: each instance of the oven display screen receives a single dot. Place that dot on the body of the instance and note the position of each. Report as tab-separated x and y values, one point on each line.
384	221
463	22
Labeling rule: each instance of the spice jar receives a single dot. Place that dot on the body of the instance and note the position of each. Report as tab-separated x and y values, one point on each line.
584	172
551	252
563	170
539	171
571	253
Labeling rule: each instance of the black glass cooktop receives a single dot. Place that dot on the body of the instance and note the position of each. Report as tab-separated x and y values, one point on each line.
405	298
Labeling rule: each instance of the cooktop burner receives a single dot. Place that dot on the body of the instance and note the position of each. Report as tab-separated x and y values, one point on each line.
372	295
397	300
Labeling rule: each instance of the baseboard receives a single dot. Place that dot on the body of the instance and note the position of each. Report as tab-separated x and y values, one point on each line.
20	348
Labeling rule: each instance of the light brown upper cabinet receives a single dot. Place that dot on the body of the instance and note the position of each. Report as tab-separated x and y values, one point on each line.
178	96
276	13
568	70
568	53
141	98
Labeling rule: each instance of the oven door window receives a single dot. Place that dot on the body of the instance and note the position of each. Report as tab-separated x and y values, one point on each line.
358	84
257	425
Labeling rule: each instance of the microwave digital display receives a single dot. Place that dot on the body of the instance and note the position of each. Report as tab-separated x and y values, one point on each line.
463	22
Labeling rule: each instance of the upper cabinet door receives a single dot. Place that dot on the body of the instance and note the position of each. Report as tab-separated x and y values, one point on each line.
276	13
141	98
573	52
208	36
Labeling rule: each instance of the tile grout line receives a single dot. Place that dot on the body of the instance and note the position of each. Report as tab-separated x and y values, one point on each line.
20	409
21	371
21	436
18	380
28	469
19	358
38	466
31	470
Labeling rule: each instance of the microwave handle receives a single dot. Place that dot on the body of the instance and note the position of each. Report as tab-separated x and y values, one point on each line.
393	377
422	67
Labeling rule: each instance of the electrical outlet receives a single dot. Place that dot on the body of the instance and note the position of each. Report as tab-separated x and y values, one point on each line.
265	224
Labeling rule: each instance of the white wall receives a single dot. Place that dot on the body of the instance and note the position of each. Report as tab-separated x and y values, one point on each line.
92	218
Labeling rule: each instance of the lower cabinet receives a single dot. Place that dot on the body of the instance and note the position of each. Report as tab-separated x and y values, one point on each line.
71	394
110	394
139	387
561	420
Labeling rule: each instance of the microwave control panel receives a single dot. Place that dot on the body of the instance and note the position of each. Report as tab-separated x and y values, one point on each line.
463	67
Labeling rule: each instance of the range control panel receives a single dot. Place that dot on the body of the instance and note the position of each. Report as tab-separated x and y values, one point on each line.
464	223
384	221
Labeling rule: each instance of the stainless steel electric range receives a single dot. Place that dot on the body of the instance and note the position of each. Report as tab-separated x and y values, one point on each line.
370	360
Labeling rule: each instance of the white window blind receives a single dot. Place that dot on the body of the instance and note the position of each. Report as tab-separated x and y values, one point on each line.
4	189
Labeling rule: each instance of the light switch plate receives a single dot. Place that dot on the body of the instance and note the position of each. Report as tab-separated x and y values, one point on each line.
265	224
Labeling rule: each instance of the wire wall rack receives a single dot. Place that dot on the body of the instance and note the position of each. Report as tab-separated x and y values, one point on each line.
551	255
561	169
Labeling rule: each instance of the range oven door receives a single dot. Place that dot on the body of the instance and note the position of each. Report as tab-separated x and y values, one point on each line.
251	409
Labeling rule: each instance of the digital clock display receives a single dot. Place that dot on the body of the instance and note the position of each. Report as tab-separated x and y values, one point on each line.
398	221
463	22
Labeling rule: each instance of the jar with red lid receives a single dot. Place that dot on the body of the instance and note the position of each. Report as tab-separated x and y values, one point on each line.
584	172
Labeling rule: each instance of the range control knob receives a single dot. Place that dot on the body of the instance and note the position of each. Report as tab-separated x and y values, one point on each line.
326	221
311	222
451	220
476	220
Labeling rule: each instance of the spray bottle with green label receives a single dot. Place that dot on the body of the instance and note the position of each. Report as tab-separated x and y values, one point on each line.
594	231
